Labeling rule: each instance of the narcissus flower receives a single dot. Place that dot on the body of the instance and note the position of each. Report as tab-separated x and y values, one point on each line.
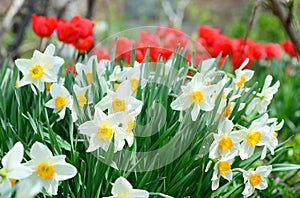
43	26
61	100
102	129
49	169
255	135
41	68
12	169
81	95
225	141
263	99
256	179
242	75
85	71
123	189
195	93
28	189
222	168
121	101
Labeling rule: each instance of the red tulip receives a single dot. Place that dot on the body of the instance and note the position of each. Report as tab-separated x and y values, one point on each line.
273	50
85	25
43	26
222	44
289	48
258	51
208	33
84	44
67	32
102	53
70	68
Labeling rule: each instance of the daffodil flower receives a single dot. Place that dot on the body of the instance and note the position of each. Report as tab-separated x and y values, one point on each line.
12	168
121	101
264	98
256	179
28	189
123	189
48	169
61	99
41	68
272	142
87	70
222	168
242	75
225	141
255	135
196	93
134	75
102	129
80	93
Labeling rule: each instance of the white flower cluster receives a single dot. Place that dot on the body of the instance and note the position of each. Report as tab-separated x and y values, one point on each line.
233	140
43	171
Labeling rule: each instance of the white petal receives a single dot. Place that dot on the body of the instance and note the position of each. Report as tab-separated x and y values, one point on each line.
121	186
195	112
23	65
14	156
19	172
215	184
65	171
181	103
50	50
140	193
39	151
88	128
62	113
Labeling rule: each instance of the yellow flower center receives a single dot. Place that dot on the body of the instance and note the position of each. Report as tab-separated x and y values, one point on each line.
122	196
226	112
224	167
118	104
104	132
196	97
134	84
275	134
116	85
12	182
241	82
45	171
89	77
225	143
254	138
130	125
17	84
81	100
48	85
36	71
60	102
255	179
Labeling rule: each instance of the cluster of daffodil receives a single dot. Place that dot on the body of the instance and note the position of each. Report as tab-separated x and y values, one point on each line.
43	170
111	120
233	140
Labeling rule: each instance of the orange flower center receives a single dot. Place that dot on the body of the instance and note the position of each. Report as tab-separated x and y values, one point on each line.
225	143
254	138
60	102
196	97
242	81
36	71
255	179
226	112
45	171
104	132
224	167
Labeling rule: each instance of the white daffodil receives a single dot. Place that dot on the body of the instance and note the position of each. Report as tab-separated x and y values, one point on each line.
87	70
102	129
255	135
222	168
41	68
118	76
272	142
242	75
81	95
12	168
134	75
61	99
121	101
225	141
209	70
256	179
123	189
48	169
196	93
264	98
